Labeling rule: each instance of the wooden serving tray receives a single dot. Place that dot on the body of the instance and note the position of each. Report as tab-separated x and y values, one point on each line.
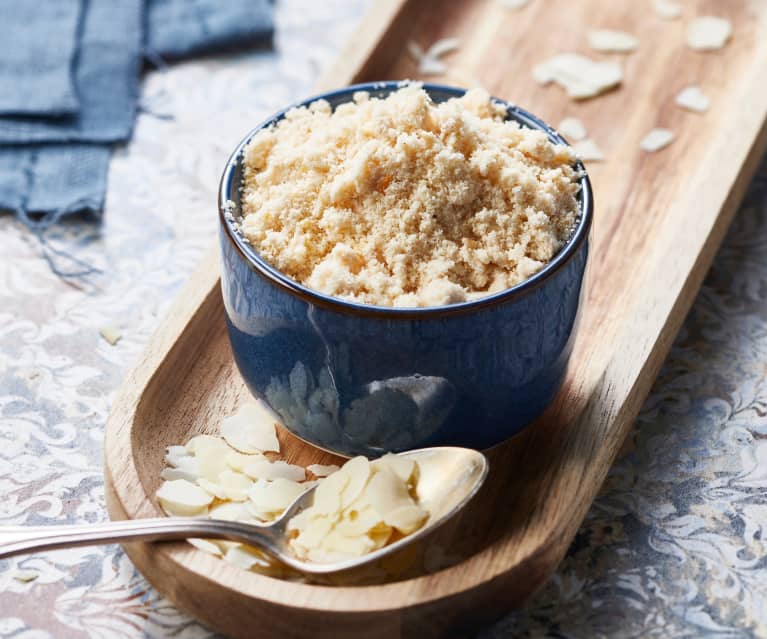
659	219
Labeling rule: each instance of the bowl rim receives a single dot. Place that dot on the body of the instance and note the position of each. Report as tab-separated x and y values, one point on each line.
279	279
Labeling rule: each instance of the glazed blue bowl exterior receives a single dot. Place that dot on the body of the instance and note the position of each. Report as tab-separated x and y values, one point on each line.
360	379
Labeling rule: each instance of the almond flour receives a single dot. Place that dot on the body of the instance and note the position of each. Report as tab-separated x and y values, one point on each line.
403	202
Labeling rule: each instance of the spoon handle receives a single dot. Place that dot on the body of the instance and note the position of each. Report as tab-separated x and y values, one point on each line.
20	540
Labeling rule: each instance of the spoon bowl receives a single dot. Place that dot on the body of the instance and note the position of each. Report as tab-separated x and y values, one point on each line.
449	478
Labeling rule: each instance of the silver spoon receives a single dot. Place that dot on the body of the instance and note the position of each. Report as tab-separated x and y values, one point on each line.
449	478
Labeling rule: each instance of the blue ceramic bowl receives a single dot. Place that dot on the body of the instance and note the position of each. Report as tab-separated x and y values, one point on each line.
361	379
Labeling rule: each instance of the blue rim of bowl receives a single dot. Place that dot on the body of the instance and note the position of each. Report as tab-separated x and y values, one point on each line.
277	278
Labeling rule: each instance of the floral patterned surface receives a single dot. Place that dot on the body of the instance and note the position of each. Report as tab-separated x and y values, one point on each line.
674	547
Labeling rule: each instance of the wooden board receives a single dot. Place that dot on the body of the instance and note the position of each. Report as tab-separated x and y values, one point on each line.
659	219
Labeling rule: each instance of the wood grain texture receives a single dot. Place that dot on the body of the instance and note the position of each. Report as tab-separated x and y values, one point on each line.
659	220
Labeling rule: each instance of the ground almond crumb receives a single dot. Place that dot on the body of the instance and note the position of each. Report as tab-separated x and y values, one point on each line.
404	202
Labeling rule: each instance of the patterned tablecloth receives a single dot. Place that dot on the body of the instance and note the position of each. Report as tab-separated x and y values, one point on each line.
675	546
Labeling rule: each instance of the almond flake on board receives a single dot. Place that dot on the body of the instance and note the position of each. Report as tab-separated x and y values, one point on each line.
170	474
415	51
588	151
251	429
355	509
264	469
247	558
656	140
183	498
322	470
611	41
206	546
230	511
573	129
668	9
580	76
515	5
692	98
272	497
443	47
708	33
429	61
431	66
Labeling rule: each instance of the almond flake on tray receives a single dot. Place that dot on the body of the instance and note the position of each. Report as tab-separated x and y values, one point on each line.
429	62
708	33
588	151
515	5
581	77
692	98
668	9
573	129
656	140
358	507
610	41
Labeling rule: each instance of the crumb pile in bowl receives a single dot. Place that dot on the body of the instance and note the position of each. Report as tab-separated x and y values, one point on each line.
405	202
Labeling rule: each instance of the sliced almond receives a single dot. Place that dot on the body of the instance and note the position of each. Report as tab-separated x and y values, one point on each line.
588	151
211	487
515	5
247	558
612	41
321	470
431	66
406	519
581	77
170	474
202	442
403	467
183	498
656	140
358	471
384	493
264	469
693	99
235	486
429	61
573	129
415	51
667	9
211	454
443	47
111	334
327	497
314	532
274	496
251	429
708	33
359	522
335	542
206	546
173	452
25	576
355	508
237	461
230	511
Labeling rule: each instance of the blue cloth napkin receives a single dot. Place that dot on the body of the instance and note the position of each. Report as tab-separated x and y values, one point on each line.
59	165
105	75
180	29
57	179
45	87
